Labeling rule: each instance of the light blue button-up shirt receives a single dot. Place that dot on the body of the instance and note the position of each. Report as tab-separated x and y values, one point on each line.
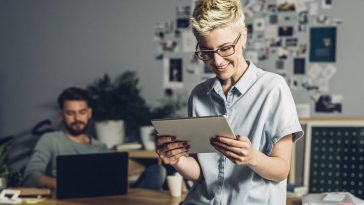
259	106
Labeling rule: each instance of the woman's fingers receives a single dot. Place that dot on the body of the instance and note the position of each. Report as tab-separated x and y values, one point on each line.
170	149
165	139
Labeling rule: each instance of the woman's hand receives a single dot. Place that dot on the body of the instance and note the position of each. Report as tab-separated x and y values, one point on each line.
169	149
239	150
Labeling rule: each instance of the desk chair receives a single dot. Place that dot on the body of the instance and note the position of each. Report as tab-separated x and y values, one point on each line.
152	178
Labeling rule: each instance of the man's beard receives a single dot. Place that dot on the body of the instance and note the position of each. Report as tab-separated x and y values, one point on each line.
75	132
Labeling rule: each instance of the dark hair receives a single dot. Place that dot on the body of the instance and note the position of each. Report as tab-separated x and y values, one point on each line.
73	93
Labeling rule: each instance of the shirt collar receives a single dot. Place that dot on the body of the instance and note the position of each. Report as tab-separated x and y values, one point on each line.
244	83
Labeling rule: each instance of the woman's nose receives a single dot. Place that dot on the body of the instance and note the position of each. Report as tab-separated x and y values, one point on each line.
218	60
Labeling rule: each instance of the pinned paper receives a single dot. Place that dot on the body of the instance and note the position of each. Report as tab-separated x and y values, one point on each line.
271	32
314	7
314	71
328	72
326	4
294	84
188	42
259	24
301	6
173	73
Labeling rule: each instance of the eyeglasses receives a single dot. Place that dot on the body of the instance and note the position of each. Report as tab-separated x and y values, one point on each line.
224	51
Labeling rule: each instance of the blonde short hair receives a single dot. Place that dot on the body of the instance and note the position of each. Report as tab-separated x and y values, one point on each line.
211	14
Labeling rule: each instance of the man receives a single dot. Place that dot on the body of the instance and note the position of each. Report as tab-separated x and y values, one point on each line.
75	111
253	167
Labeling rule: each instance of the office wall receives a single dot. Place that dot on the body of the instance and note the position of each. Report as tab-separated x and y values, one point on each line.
348	79
49	45
46	46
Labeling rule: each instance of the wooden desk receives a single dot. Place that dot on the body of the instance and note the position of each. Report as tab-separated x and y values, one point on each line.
134	197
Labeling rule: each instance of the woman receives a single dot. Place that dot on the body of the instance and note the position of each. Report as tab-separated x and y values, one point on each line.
253	167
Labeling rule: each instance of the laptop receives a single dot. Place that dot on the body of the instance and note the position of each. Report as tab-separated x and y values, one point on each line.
91	175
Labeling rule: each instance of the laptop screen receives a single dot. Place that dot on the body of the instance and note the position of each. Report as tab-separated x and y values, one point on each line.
90	175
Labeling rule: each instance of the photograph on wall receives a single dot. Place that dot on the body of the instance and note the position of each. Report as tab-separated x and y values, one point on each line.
170	46
308	84
279	64
272	8
323	44
314	8
286	5
276	42
188	42
301	6
259	24
291	42
302	48
301	27
322	19
302	17
273	19
249	28
285	31
326	4
299	66
282	52
256	7
293	83
183	22
329	104
263	54
173	73
162	29
271	32
183	13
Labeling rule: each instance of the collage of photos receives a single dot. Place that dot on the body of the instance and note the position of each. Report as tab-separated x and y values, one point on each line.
292	35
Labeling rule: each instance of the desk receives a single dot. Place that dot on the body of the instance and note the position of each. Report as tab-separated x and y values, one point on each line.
134	197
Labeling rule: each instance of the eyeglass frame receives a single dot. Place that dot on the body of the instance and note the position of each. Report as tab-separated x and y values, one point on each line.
217	50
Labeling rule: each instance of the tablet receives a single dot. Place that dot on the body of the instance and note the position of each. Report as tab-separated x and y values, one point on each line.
197	131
